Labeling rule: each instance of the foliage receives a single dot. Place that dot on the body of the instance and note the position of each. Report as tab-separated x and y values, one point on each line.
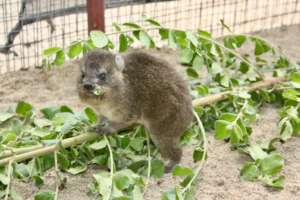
129	157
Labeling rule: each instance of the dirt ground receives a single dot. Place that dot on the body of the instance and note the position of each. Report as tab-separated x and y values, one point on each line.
219	179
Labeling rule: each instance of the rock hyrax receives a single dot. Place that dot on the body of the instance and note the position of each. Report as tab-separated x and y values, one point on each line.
136	87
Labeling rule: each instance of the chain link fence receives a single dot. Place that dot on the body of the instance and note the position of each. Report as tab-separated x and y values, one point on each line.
29	26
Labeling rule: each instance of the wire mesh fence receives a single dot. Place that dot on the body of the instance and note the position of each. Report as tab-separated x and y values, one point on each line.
29	26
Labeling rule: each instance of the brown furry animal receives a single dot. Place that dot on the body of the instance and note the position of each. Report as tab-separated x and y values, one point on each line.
137	87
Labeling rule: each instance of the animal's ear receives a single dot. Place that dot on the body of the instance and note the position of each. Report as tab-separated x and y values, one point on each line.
120	62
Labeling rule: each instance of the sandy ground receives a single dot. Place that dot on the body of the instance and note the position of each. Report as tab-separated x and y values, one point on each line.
219	179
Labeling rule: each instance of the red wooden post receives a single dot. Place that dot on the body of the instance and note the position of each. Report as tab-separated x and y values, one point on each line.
96	16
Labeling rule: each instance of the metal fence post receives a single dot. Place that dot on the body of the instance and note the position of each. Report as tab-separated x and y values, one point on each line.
96	15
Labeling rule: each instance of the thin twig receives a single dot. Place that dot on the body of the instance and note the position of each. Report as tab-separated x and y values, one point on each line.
149	162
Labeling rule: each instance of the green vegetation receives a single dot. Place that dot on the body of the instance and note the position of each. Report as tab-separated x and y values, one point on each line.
130	158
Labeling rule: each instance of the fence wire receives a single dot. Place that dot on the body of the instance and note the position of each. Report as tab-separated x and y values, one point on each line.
29	26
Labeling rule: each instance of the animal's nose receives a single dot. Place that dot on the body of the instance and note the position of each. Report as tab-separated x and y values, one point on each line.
88	86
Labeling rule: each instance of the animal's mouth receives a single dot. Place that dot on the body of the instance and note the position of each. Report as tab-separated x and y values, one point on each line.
98	90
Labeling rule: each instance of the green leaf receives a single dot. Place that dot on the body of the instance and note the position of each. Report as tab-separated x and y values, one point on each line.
51	51
198	62
229	117
181	171
146	39
164	33
116	26
123	44
192	72
216	68
186	56
100	160
5	116
99	39
59	58
198	154
296	79
191	37
203	33
272	164
275	183
23	109
203	90
65	108
4	179
282	63
38	181
250	172
137	193
22	170
103	182
256	152
75	49
157	168
121	181
151	21
173	194
41	123
137	143
50	112
222	130
244	67
286	129
171	40
8	136
77	170
132	25
44	196
98	145
234	42
260	47
92	116
291	95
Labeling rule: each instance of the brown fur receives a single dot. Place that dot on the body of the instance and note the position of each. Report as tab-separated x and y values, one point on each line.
148	91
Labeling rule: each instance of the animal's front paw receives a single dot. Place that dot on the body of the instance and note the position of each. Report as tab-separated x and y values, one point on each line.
102	129
169	166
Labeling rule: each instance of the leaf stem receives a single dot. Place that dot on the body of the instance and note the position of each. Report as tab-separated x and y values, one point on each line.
202	161
265	41
7	192
241	112
111	164
57	178
234	53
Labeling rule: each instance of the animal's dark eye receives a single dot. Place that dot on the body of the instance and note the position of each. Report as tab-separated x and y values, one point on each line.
102	76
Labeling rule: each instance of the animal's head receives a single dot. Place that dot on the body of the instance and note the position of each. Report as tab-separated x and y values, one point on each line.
100	74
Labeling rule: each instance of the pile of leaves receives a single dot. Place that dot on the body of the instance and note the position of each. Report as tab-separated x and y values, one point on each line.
129	159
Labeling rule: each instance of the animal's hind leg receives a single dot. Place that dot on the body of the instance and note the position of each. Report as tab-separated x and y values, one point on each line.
169	148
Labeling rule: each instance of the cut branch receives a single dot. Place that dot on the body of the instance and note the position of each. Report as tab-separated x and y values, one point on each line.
224	95
50	149
39	151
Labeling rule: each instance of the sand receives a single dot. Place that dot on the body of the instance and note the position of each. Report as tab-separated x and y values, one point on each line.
219	179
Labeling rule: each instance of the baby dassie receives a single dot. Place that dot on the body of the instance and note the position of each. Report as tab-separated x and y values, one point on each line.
137	87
